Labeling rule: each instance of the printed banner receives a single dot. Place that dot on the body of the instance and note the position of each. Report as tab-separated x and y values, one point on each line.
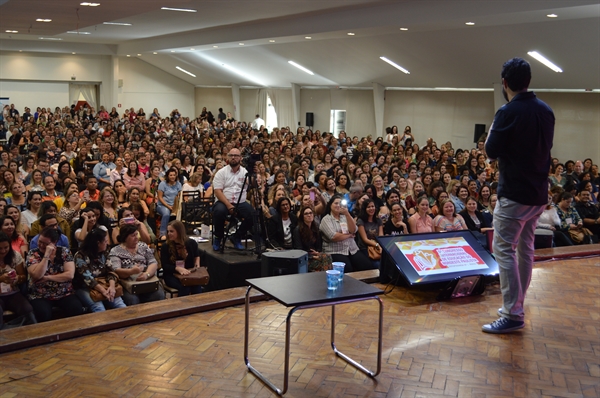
441	256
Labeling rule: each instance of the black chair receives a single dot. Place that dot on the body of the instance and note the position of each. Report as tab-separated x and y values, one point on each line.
195	210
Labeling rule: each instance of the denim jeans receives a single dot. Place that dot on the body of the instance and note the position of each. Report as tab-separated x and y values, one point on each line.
98	306
514	226
165	213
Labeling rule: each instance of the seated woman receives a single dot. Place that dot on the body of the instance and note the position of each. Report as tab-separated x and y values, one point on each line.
306	236
132	259
441	196
550	221
179	254
448	219
396	224
126	217
12	274
91	262
569	218
330	189
133	197
85	224
338	230
473	218
281	224
369	228
13	212
194	184
420	221
460	200
342	183
51	270
18	242
138	213
71	203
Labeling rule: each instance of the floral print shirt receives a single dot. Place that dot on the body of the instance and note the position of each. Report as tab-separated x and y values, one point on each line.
50	290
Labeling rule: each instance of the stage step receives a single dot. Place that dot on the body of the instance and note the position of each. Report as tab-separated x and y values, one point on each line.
567	252
83	325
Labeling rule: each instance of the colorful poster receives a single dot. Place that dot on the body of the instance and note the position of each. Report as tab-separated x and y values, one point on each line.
441	256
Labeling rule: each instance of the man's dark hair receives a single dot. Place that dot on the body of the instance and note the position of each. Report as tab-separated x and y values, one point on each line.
517	73
47	205
45	218
51	233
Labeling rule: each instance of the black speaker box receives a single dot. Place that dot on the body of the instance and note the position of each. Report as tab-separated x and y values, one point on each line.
479	132
310	119
284	262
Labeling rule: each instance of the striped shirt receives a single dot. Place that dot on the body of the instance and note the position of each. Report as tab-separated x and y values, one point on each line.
329	227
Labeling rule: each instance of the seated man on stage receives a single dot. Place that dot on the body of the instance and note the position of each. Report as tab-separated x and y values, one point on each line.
230	194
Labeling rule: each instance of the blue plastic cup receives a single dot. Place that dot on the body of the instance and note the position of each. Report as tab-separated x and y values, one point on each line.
333	279
338	266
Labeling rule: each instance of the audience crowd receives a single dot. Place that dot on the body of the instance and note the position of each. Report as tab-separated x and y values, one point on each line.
85	195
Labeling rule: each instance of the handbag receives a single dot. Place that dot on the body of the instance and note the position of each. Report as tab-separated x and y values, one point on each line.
581	236
97	296
196	277
375	253
319	262
150	285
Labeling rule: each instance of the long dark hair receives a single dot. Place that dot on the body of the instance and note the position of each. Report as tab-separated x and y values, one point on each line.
89	246
363	210
10	256
15	234
308	233
334	197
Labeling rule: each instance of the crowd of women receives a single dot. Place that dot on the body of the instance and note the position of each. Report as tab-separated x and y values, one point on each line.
105	183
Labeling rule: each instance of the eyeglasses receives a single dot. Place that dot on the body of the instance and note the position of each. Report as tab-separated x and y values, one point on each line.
309	213
52	225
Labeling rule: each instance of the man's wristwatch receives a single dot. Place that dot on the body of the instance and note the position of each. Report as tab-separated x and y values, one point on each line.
148	274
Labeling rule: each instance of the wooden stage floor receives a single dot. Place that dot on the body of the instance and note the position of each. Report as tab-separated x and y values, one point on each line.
431	349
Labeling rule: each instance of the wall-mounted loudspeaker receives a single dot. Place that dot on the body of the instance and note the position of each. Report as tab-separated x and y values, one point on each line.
479	132
310	119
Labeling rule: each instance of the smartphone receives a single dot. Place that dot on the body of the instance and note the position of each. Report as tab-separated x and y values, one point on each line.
312	195
344	203
129	220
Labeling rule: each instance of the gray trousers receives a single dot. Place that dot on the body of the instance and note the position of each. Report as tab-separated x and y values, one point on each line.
514	226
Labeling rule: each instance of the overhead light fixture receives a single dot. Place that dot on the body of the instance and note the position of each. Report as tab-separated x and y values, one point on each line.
307	37
178	9
215	46
403	28
271	41
128	55
43	20
73	53
470	23
50	38
544	61
116	23
155	53
395	65
552	16
302	68
11	31
185	71
78	33
87	4
172	51
191	49
139	55
350	34
241	44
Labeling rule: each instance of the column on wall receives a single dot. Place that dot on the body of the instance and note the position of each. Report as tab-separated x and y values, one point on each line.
112	94
235	93
498	97
379	106
296	104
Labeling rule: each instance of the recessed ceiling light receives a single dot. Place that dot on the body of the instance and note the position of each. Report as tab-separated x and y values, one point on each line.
139	55
172	51
50	38
271	41
88	4
117	23
128	55
185	71
395	65
350	34
302	68
73	53
307	37
155	53
191	49
78	33
552	16
12	31
241	44
20	51
215	46
403	28
470	23
178	9
43	20
544	61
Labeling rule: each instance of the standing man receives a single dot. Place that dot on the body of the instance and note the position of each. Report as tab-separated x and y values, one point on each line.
520	138
257	123
228	183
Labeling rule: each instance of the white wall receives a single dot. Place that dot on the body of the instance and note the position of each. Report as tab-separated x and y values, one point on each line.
215	98
34	94
319	103
445	116
146	86
248	100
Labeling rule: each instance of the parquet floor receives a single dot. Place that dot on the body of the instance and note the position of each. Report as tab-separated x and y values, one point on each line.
431	349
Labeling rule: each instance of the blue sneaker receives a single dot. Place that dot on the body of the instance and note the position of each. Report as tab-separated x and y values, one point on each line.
216	244
237	243
503	325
